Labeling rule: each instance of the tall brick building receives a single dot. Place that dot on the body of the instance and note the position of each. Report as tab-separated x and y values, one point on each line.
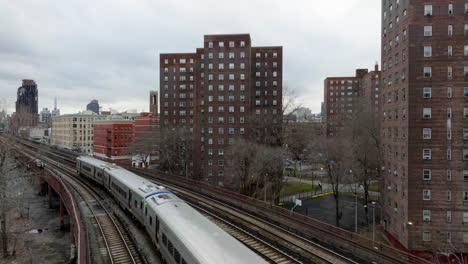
27	109
216	93
424	123
342	94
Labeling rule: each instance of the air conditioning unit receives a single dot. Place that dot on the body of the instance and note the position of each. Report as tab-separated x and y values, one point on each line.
426	158
427	117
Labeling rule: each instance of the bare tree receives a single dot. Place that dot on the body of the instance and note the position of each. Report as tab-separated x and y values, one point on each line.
297	138
363	129
255	170
334	155
175	150
145	145
240	159
12	188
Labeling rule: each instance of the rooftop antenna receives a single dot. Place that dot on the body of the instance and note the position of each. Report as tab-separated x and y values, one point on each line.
55	103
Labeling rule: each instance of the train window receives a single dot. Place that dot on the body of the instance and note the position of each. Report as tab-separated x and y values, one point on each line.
136	204
176	255
146	210
170	247
164	240
141	205
151	220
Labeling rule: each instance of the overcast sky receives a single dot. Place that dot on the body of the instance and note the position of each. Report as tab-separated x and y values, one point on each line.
108	50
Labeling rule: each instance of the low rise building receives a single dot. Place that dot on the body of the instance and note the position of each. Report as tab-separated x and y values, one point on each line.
74	131
112	137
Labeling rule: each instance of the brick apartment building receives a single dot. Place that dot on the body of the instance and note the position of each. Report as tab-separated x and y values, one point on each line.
112	137
215	93
342	94
424	123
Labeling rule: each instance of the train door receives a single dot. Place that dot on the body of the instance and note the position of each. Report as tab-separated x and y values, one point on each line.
157	228
129	199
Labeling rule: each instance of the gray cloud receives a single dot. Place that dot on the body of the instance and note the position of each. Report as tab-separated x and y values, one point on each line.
109	49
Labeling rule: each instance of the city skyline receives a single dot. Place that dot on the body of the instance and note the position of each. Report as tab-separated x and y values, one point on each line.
126	61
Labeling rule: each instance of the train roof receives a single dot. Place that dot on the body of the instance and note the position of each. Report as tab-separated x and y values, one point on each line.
206	241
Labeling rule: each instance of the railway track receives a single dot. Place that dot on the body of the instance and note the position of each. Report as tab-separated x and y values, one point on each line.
115	244
268	251
304	250
378	253
307	251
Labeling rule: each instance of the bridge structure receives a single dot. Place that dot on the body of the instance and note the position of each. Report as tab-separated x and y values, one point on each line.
297	235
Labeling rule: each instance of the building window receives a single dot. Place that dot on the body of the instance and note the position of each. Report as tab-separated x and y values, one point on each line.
449	195
465	217
427	72
449	217
427	154
450	9
449	154
465	112
426	236
426	215
427	113
427	133
426	174
449	73
210	44
449	51
428	31
465	196
428	51
428	10
242	44
426	195
427	92
449	92
465	154
450	30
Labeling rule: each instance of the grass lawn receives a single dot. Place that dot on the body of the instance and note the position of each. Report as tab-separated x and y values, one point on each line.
294	187
374	188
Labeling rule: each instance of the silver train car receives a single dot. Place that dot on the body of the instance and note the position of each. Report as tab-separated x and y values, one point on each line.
181	233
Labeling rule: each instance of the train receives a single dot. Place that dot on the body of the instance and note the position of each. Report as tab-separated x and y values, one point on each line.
180	233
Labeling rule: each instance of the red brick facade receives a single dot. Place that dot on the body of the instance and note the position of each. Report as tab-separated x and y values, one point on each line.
341	94
111	139
213	93
424	127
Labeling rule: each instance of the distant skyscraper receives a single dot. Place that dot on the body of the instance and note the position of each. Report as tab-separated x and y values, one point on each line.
93	106
45	115
27	104
154	102
56	111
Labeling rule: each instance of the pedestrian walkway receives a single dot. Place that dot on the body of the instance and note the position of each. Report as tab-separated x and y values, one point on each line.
324	190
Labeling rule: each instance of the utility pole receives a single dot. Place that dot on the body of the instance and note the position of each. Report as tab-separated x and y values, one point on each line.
373	220
355	212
